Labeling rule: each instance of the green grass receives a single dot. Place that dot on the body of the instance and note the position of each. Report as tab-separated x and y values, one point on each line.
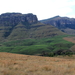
36	46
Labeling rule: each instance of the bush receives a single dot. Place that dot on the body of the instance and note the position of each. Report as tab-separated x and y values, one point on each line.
63	52
51	54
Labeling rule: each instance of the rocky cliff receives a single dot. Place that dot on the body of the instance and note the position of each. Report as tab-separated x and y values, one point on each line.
14	18
9	20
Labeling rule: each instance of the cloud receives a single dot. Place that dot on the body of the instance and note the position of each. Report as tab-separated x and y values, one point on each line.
42	8
59	7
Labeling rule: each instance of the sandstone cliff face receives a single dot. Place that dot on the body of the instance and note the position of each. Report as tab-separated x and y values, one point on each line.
15	18
8	21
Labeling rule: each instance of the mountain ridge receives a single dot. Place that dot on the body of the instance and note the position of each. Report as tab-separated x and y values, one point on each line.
65	24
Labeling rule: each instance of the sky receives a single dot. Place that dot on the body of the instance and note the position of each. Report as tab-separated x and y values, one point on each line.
42	8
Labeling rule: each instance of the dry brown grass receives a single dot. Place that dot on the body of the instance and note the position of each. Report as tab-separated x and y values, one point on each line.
71	39
16	64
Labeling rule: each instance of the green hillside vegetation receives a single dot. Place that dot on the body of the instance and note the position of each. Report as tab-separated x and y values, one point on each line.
42	46
21	31
38	30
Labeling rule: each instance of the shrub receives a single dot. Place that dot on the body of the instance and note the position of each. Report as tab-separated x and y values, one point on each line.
51	54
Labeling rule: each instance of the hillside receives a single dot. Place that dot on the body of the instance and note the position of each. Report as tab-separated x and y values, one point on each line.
38	30
14	26
16	64
43	46
65	24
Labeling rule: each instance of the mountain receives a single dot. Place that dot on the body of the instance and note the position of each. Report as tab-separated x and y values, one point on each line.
14	26
8	22
65	24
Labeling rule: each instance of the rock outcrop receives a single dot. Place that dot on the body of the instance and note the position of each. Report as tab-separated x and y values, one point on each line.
15	18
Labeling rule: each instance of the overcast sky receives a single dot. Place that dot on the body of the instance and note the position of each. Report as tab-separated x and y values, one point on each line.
42	8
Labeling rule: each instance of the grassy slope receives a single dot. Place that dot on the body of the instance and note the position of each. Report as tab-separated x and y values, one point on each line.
38	30
69	31
16	64
36	46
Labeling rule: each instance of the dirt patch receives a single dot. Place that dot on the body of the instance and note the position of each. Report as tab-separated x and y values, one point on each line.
71	39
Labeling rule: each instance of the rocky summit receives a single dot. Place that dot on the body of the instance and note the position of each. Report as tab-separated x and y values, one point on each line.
15	18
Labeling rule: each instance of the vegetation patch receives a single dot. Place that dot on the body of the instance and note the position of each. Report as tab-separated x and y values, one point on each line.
46	46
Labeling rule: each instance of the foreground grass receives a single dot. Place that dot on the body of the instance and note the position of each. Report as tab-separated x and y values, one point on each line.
16	64
36	46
